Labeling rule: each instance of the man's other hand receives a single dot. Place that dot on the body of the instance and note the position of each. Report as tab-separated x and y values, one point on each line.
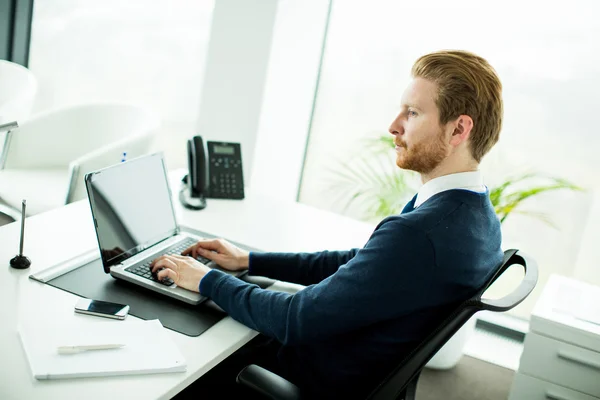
225	254
184	271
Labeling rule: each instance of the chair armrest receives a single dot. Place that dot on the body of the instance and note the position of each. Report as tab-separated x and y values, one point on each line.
522	291
267	383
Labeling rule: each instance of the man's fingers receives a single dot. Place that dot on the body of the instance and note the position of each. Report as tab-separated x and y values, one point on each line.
185	259
194	250
156	260
167	273
211	255
188	251
210	244
154	263
163	262
205	248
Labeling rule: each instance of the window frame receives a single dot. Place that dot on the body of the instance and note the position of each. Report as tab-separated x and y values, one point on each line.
15	28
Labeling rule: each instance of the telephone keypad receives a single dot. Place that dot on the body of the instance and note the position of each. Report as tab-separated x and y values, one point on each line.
226	175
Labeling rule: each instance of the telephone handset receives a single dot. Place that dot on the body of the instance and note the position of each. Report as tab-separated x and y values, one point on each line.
225	173
192	194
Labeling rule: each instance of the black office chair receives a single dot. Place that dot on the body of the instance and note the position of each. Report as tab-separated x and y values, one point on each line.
401	384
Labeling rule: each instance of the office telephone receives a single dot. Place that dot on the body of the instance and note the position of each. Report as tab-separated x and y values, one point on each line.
217	175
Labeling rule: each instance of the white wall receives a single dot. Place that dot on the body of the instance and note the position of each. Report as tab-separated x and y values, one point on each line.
235	73
300	30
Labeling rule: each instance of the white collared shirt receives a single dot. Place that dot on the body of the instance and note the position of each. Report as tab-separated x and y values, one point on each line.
472	181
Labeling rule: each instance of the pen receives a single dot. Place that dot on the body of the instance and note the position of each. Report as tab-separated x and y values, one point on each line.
79	349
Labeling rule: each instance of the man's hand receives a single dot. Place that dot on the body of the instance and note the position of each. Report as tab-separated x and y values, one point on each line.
184	271
222	252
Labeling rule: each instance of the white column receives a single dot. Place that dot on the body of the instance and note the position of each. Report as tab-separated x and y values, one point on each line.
235	73
290	91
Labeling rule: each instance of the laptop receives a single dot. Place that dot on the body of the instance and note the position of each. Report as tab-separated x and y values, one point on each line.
135	223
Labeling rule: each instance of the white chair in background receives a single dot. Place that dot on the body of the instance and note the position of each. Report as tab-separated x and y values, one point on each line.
48	156
18	88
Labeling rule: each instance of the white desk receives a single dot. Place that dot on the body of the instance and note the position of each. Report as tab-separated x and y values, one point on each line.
61	234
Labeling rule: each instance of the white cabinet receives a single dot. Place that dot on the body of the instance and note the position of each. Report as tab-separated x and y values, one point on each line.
528	388
561	355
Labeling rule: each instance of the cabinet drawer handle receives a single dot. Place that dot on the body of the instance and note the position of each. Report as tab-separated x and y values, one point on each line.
576	358
554	396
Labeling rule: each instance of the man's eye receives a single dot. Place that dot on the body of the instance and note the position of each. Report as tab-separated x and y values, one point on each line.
412	113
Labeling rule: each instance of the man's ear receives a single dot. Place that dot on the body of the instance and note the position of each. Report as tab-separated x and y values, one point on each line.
462	129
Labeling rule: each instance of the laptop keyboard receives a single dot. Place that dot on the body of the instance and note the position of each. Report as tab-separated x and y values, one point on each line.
145	271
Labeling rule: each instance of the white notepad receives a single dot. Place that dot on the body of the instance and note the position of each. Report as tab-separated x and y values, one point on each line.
148	350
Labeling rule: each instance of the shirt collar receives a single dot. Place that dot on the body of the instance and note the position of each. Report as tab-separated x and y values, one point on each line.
472	180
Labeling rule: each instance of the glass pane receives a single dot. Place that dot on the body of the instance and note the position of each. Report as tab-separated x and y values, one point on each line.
149	53
547	56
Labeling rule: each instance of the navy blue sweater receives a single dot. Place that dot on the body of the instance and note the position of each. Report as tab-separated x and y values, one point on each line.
364	309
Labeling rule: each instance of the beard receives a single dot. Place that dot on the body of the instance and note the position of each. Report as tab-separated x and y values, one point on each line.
422	157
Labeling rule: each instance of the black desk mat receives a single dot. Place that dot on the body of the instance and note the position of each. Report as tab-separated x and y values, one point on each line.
91	282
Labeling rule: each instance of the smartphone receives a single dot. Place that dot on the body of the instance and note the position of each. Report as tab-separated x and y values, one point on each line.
101	308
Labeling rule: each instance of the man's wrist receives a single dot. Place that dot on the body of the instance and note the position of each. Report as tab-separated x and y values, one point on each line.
244	261
203	272
205	281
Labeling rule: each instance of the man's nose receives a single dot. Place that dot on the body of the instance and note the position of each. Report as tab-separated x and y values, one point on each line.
395	128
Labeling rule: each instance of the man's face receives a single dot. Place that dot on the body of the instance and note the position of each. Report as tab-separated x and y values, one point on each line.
420	139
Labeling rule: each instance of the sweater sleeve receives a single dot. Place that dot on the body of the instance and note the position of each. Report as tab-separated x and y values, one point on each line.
302	268
379	283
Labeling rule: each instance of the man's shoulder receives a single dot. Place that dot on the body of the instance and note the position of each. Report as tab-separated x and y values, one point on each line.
425	217
446	209
402	222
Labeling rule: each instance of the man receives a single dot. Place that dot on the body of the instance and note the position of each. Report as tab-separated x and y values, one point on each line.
364	309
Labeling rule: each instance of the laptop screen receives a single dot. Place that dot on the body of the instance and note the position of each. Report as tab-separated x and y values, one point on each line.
131	206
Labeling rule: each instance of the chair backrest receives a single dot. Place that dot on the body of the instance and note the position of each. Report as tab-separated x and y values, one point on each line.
108	155
55	138
399	380
18	88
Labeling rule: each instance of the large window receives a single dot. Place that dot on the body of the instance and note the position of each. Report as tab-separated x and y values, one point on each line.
149	53
547	55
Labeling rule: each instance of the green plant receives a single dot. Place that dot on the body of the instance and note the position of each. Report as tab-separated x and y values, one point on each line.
507	196
371	182
371	187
